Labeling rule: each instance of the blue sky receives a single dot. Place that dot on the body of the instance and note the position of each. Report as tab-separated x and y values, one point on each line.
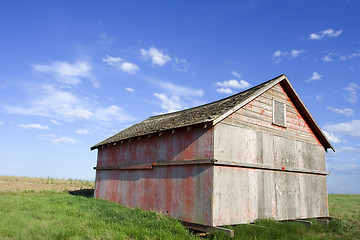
75	72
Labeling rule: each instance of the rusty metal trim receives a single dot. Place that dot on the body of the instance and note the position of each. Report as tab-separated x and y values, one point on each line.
184	162
149	166
139	166
268	167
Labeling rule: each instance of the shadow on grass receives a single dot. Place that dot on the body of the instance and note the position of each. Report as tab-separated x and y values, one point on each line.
88	193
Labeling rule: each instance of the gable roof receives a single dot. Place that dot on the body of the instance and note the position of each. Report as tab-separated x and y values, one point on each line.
215	112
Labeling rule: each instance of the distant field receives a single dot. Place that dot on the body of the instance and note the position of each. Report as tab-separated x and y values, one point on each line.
56	214
18	184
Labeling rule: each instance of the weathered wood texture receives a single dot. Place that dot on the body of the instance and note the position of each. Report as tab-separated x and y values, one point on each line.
217	195
182	145
237	144
244	195
258	115
183	192
248	135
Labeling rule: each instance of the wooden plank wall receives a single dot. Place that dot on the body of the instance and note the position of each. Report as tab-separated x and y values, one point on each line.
258	114
243	195
183	144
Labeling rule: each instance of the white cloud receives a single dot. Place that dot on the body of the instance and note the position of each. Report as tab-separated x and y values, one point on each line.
155	55
351	94
83	131
326	33
332	137
348	149
234	84
129	89
112	61
315	76
236	74
351	128
326	59
112	113
63	140
224	90
350	56
65	72
294	53
345	111
278	53
127	67
48	101
55	122
180	90
181	65
169	104
2	123
34	126
177	97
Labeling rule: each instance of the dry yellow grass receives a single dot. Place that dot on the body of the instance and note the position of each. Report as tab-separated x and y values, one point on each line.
14	184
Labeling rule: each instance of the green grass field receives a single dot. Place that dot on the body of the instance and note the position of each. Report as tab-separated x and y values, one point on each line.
60	215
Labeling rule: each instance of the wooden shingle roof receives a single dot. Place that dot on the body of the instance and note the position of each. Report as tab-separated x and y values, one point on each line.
209	113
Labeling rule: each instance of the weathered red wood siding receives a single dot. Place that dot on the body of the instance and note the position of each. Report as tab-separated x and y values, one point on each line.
184	192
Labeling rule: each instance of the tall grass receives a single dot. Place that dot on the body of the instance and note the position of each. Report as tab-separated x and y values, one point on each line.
346	208
59	215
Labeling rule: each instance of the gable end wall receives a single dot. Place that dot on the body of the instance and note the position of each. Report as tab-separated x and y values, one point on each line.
242	194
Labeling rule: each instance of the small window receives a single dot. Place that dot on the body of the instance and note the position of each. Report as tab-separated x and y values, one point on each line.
279	113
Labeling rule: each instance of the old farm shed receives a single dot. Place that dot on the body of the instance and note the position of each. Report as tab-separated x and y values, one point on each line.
256	154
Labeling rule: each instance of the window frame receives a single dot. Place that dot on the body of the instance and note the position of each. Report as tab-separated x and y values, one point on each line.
274	113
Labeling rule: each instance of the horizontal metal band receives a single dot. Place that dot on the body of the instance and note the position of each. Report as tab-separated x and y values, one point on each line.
135	166
149	166
268	167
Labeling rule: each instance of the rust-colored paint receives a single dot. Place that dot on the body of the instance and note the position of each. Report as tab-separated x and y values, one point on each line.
210	194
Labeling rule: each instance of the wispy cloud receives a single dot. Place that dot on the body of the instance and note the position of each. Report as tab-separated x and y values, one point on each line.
127	67
295	53
63	140
319	97
279	55
315	76
224	90
345	111
180	65
64	72
58	104
169	103
129	89
234	84
332	137
351	92
83	131
55	122
326	33
34	126
351	128
176	97
350	56
327	58
112	61
155	55
236	74
2	123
